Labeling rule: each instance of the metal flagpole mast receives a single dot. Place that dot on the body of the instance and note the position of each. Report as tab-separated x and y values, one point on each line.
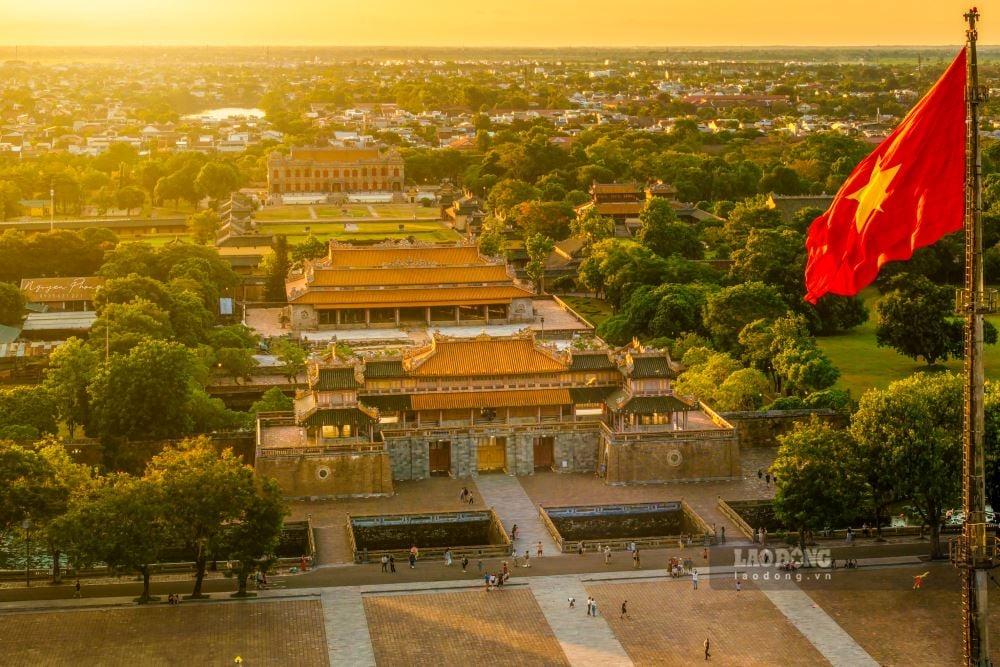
971	552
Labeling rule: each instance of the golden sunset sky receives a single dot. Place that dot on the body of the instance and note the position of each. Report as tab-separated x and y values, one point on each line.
497	23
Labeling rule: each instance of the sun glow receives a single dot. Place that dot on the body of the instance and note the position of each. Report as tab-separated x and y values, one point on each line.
457	22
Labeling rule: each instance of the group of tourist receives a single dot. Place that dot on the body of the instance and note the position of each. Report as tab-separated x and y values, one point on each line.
388	563
497	580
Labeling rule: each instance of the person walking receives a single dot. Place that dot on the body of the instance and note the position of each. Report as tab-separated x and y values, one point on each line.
607	555
539	555
447	557
579	548
707	645
392	564
527	558
385	563
625	610
462	496
635	559
572	602
694	578
722	529
590	603
413	560
76	590
513	533
739	586
465	563
472	500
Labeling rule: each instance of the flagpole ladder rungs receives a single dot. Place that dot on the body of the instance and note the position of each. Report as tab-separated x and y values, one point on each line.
972	552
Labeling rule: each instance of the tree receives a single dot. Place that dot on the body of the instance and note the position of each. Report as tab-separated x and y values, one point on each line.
11	305
190	320
29	488
273	400
277	271
773	256
507	194
912	318
237	362
732	308
538	248
753	213
491	241
122	326
216	180
805	368
919	422
311	248
204	491
26	412
143	394
10	201
71	366
838	314
816	486
253	538
203	226
130	197
592	226
122	524
293	360
122	290
664	235
549	219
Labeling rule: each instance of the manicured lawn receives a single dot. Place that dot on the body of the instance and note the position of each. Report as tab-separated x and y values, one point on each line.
594	310
864	365
298	212
345	211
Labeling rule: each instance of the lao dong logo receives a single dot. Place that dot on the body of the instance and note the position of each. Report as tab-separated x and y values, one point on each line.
781	558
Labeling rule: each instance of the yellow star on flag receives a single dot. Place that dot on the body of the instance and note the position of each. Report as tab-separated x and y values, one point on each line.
872	194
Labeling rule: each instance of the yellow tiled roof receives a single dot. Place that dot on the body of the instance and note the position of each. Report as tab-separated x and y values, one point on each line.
483	356
614	188
619	208
341	257
491	399
413	275
393	298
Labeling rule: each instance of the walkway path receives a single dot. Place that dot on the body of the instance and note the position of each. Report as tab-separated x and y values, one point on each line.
373	212
347	637
817	626
585	641
506	495
312	213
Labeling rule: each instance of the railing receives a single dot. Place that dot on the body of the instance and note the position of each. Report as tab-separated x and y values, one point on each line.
652	436
714	416
429	429
320	450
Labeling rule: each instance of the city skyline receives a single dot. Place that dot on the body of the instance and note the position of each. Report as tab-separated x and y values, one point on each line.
556	23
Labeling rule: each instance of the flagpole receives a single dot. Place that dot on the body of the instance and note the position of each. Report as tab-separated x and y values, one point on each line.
972	553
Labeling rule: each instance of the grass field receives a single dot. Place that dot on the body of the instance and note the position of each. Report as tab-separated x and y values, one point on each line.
864	365
347	212
594	310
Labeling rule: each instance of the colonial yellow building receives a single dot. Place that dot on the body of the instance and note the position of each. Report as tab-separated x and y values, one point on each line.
335	170
402	284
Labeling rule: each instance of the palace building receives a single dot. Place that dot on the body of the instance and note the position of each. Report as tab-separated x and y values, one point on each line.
335	170
397	284
468	406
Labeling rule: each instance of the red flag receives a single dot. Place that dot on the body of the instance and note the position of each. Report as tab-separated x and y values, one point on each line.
907	194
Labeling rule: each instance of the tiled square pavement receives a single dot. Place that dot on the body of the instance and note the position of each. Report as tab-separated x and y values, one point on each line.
279	634
471	629
670	621
897	625
329	517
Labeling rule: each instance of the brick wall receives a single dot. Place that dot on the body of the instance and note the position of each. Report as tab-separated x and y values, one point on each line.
330	476
761	429
654	461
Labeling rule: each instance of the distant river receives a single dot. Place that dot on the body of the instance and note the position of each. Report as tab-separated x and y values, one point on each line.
227	112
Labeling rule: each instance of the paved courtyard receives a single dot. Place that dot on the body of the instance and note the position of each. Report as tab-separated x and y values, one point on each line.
287	633
504	627
669	621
